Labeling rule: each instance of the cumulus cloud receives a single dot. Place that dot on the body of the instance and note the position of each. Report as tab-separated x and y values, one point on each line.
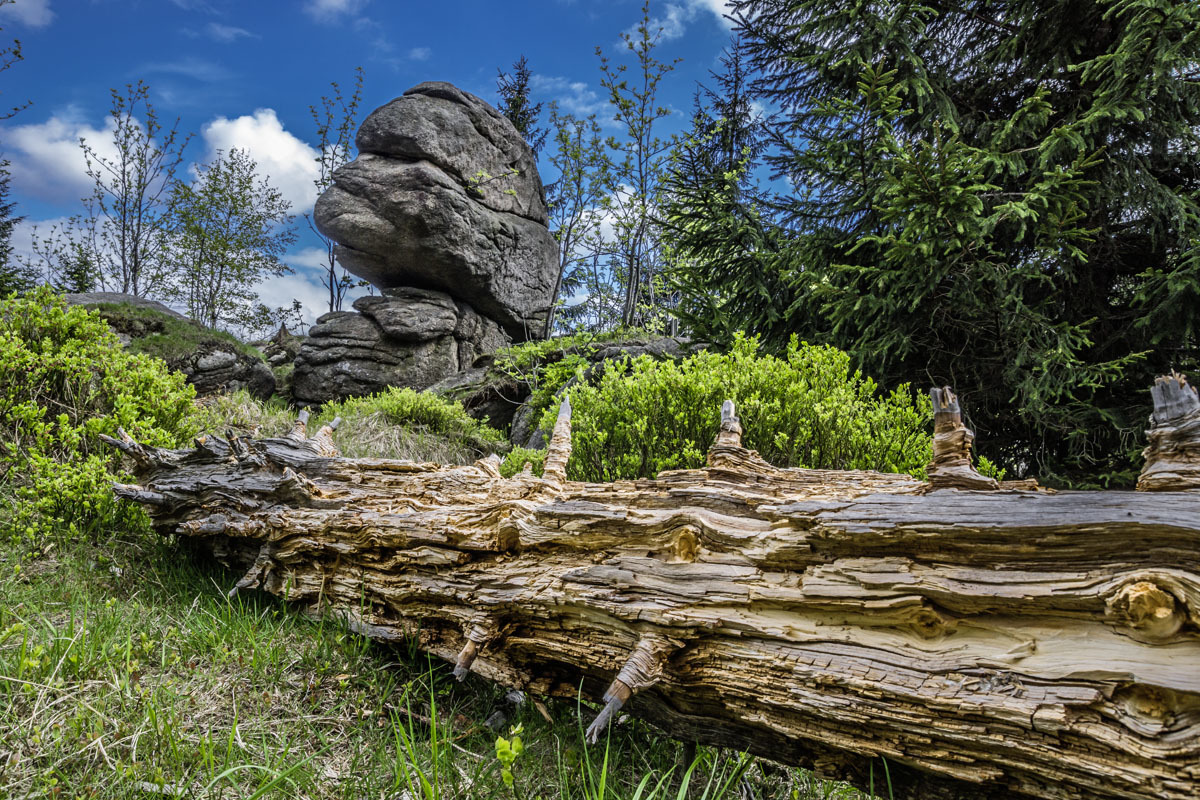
675	19
286	161
47	161
25	230
332	9
34	13
303	285
574	97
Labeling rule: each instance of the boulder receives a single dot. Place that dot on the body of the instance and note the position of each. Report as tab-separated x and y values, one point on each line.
214	367
409	337
445	195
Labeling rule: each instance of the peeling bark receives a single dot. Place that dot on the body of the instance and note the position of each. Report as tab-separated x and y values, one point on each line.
989	644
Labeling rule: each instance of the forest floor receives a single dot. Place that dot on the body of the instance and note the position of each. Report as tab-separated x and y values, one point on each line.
126	672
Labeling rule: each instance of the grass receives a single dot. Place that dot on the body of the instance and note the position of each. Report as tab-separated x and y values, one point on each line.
125	672
398	423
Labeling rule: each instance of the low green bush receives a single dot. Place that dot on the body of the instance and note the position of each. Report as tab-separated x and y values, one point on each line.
64	380
402	423
516	459
806	408
546	365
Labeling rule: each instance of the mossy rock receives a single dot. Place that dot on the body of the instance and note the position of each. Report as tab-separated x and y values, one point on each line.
213	361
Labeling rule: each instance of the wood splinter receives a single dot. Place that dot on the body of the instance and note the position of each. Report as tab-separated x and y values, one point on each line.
559	451
257	573
951	466
642	670
323	441
730	432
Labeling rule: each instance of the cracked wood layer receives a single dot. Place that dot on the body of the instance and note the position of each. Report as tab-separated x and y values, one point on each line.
988	644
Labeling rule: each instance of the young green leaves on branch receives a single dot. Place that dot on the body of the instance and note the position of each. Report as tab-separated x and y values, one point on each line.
232	228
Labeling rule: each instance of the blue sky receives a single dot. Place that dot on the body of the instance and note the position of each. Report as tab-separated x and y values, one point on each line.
242	73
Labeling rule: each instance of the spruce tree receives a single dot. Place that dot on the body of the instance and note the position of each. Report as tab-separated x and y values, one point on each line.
724	254
515	103
1004	197
14	276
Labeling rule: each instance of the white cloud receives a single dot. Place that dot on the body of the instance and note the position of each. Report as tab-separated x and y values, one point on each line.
23	233
198	69
718	7
420	54
310	258
575	97
303	285
674	21
227	33
34	13
47	161
289	163
331	9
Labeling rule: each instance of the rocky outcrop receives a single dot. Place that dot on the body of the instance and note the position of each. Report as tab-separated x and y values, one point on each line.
97	298
445	195
212	361
408	337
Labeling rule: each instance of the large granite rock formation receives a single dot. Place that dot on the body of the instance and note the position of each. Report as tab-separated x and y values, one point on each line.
445	195
409	337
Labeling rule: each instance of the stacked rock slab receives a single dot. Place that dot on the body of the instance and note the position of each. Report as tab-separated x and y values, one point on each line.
408	337
443	210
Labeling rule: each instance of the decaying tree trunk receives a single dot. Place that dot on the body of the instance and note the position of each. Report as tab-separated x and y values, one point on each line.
997	642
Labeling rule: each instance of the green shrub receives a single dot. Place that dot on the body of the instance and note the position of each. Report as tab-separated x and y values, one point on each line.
807	408
547	364
64	380
402	423
516	459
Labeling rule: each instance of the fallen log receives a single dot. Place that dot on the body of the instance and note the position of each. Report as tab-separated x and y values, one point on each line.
994	642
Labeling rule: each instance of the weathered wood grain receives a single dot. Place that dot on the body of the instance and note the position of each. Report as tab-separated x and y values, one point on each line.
989	644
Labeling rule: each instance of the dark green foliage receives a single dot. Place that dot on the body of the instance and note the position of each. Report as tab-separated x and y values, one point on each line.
515	103
64	380
806	409
727	259
14	276
1000	196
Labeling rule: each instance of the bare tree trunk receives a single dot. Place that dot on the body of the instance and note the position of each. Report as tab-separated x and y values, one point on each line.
1000	642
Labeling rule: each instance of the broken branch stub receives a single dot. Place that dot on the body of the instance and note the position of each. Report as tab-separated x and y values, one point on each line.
1173	455
951	466
1007	644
